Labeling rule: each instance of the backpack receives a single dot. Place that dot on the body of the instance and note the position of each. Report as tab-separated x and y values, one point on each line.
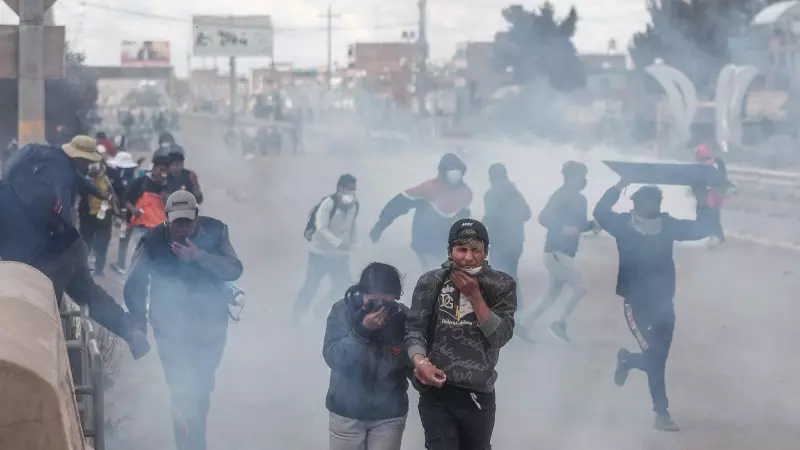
311	224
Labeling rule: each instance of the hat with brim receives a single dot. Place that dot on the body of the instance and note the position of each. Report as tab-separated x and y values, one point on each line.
83	147
123	160
181	205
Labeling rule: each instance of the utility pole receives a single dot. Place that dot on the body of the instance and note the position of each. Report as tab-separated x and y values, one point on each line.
234	89
31	127
420	85
330	16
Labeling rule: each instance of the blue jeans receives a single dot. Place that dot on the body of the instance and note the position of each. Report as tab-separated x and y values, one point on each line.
354	434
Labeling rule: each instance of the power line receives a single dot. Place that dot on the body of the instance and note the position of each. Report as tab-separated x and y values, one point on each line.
187	21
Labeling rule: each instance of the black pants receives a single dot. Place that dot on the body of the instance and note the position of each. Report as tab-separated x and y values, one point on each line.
457	419
70	274
653	332
190	368
96	233
336	267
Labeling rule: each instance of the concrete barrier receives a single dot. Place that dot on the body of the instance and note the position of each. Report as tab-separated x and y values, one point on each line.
38	409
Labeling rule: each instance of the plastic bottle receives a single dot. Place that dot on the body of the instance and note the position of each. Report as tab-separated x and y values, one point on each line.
237	294
103	208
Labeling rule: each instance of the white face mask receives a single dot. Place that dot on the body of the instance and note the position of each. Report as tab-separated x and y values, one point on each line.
453	176
474	271
348	198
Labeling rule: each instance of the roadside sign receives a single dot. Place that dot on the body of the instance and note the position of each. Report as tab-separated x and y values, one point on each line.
216	36
53	51
14	5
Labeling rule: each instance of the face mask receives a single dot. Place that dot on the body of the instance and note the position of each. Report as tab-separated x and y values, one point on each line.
474	271
453	176
348	198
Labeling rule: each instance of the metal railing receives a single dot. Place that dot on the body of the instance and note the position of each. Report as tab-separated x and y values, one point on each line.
87	372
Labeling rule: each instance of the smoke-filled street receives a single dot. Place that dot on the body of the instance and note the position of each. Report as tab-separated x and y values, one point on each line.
732	379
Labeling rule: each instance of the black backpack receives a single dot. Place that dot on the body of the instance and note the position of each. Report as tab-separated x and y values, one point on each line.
311	224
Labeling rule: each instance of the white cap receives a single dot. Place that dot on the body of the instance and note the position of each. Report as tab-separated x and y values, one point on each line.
181	205
122	160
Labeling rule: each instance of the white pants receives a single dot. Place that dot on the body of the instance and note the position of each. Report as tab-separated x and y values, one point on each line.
354	434
563	272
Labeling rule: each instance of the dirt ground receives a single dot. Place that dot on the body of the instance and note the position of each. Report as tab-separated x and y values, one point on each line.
732	378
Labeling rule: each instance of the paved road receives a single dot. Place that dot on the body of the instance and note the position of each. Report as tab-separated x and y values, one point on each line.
732	377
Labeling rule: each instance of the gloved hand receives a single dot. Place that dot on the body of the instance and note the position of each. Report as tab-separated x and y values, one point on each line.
138	344
375	234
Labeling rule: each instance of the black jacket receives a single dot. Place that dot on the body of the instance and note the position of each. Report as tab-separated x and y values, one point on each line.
369	370
567	207
646	266
505	217
186	298
436	206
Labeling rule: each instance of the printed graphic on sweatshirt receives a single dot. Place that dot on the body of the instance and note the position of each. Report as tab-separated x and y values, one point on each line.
454	313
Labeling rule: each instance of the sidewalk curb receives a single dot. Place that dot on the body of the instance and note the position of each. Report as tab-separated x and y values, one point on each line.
744	237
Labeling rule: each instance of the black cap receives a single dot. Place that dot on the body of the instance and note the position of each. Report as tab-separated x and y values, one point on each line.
468	229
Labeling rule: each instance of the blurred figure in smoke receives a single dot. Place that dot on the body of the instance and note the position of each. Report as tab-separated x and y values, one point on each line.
461	315
109	148
437	202
331	230
565	217
96	217
364	342
505	217
183	266
646	281
144	203
180	178
711	198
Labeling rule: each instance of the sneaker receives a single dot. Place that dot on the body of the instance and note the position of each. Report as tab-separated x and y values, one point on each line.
621	373
118	269
664	422
523	333
559	330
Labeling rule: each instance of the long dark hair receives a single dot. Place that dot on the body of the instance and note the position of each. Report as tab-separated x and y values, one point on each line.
378	278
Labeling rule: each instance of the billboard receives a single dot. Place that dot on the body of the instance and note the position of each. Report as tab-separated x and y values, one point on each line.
232	36
146	53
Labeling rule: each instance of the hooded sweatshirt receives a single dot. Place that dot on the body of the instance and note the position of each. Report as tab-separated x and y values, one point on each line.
437	204
335	225
646	266
506	214
443	326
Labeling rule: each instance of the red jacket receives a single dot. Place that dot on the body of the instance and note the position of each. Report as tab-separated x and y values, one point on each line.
111	150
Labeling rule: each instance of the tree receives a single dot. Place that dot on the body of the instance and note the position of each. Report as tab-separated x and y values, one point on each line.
68	100
536	44
693	35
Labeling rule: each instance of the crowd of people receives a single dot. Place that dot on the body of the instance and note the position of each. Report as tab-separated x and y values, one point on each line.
60	205
465	310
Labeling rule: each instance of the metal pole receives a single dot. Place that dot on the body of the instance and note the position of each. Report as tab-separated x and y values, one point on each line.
31	126
233	81
422	56
329	73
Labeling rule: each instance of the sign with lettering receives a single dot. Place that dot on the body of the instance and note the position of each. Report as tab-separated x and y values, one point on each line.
232	36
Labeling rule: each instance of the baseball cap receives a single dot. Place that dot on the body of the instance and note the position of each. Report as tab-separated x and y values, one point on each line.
181	205
468	229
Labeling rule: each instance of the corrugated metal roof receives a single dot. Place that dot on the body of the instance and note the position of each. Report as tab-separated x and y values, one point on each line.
773	13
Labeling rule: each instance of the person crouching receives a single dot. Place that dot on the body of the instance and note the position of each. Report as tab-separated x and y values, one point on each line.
364	347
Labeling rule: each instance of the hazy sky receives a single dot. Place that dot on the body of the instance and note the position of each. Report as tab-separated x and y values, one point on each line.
97	27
